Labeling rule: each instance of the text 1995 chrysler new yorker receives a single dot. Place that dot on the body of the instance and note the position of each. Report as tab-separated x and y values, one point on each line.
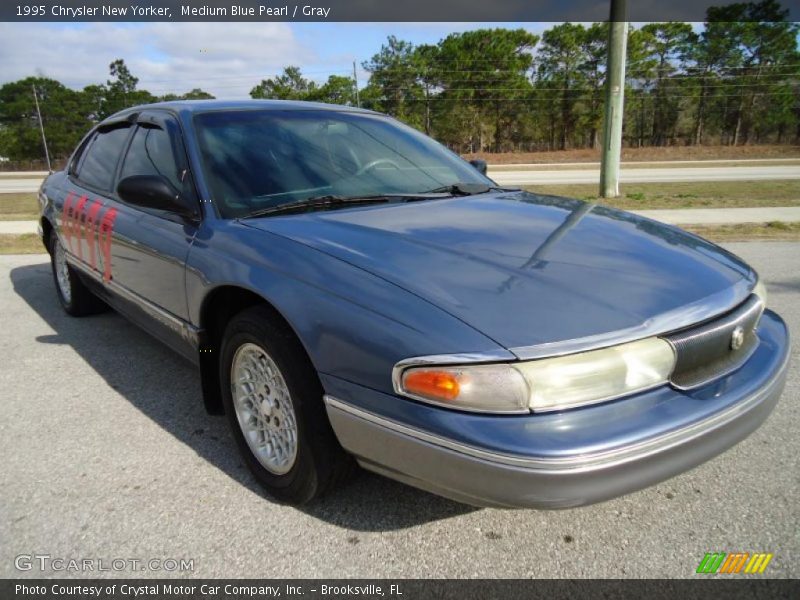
354	292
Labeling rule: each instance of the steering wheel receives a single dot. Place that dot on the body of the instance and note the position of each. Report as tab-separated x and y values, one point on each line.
374	163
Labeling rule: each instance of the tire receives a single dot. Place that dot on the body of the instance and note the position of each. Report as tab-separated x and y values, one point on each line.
276	414
74	296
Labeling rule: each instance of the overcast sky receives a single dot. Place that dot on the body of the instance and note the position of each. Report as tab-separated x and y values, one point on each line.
226	59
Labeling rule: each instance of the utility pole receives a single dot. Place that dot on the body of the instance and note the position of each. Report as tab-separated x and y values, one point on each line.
41	128
355	82
615	92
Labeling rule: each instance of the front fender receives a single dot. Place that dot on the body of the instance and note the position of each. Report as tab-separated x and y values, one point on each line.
353	325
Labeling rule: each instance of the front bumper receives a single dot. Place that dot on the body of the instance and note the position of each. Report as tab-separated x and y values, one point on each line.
565	459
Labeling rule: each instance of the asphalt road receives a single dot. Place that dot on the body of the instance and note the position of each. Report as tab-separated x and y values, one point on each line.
542	175
19	185
107	453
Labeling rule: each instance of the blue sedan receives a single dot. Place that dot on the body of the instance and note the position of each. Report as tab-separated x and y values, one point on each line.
354	293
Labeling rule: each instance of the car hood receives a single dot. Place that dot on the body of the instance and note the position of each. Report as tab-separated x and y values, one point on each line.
537	274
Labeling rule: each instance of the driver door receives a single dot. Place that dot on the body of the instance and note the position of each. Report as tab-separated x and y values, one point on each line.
150	246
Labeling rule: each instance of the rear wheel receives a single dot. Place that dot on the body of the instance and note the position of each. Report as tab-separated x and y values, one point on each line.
273	400
74	296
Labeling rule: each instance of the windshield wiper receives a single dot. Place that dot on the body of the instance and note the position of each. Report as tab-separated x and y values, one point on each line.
470	189
330	200
314	202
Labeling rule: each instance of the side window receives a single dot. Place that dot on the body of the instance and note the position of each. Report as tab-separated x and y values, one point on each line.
151	153
101	157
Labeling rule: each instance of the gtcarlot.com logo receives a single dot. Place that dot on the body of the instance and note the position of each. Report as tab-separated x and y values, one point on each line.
735	562
46	562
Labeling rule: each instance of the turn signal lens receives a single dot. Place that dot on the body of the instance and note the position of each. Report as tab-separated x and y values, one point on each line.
479	388
438	385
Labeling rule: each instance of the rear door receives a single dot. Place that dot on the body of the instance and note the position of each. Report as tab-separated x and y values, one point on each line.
85	219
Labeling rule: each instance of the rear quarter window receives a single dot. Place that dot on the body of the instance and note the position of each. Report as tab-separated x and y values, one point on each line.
80	153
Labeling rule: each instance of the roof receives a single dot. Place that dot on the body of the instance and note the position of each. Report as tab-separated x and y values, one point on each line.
199	106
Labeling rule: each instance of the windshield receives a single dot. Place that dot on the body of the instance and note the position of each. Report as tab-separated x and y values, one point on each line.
257	159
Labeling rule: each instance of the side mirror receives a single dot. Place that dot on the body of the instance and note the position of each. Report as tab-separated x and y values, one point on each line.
153	191
479	164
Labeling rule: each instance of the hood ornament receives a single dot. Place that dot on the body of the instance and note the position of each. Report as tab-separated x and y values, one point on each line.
737	338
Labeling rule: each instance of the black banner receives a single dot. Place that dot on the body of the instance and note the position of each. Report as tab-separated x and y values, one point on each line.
357	10
702	588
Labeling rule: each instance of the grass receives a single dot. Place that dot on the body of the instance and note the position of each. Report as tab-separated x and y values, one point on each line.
19	207
712	194
748	232
25	243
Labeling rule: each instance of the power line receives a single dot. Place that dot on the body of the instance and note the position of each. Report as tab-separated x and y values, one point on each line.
768	74
493	61
550	101
252	76
583	89
665	84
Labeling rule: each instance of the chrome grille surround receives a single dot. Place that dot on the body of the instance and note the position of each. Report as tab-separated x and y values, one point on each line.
705	352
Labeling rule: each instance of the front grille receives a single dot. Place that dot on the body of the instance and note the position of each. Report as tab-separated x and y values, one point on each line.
706	352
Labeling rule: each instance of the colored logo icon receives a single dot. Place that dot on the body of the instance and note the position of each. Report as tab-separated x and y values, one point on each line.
736	562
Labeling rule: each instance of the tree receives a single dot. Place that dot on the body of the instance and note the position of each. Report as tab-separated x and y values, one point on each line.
194	94
561	75
425	60
290	85
595	50
121	89
393	79
767	44
124	82
62	117
337	90
197	94
709	53
638	85
665	49
488	69
93	102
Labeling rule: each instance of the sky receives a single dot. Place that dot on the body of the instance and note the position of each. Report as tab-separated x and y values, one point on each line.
225	59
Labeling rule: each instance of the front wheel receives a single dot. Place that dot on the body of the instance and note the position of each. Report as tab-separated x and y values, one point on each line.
74	296
273	400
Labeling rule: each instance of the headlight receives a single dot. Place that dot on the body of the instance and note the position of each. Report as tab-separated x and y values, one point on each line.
546	384
761	291
578	379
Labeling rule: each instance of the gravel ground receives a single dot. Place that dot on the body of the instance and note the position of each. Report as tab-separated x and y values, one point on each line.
107	453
